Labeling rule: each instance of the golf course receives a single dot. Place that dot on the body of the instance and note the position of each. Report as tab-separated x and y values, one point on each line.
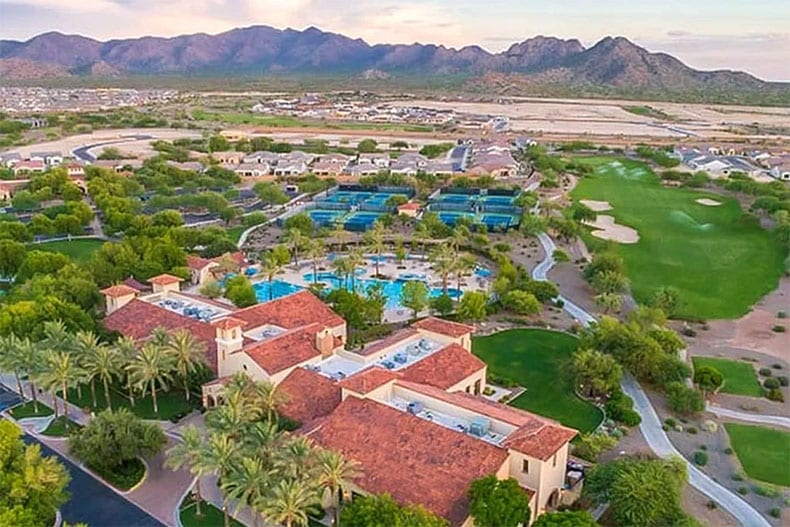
699	243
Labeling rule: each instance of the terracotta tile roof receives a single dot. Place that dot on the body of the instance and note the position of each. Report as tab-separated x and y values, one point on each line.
285	350
228	323
135	284
540	441
119	290
289	312
414	460
368	380
197	262
386	342
443	327
308	396
444	368
138	319
409	206
164	279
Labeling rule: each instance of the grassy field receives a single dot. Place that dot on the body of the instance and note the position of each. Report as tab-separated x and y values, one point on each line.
79	250
720	263
534	358
763	452
57	428
169	403
234	233
739	376
28	410
210	516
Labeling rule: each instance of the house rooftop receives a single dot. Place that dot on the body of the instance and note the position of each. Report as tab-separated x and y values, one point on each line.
285	350
165	279
368	380
308	396
443	327
292	311
445	368
119	290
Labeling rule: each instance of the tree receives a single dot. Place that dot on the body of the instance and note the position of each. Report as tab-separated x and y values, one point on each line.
290	502
41	262
367	146
375	242
595	373
211	289
12	255
667	299
610	282
335	472
442	304
239	290
151	367
473	306
220	453
414	295
565	519
87	348
270	193
114	438
380	510
60	372
301	222
269	268
681	398
521	302
104	363
32	487
248	483
10	359
708	379
188	354
316	250
498	503
590	446
218	143
443	259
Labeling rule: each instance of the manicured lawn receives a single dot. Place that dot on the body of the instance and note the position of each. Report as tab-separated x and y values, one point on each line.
169	403
739	376
210	516
720	263
79	250
534	358
234	233
28	410
124	477
763	452
57	428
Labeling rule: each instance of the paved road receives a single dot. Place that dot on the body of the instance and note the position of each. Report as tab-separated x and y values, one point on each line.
774	420
83	152
650	427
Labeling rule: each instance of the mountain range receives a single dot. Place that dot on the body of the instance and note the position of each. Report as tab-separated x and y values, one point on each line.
267	51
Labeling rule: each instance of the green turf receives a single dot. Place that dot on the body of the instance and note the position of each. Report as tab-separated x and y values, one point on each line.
234	233
763	452
169	403
534	358
28	410
720	263
210	516
124	477
57	428
79	250
739	376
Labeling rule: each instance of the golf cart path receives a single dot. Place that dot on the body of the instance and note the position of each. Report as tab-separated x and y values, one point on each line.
771	420
651	425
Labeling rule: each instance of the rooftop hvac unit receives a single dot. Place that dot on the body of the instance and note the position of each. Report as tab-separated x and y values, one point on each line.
414	407
479	426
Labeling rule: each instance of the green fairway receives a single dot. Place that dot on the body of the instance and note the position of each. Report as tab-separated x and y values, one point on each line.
78	250
739	376
720	263
534	358
26	410
763	452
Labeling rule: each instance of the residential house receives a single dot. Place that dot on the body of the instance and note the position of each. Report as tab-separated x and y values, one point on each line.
252	169
410	209
269	158
228	158
779	167
381	161
28	166
201	270
49	158
8	187
9	159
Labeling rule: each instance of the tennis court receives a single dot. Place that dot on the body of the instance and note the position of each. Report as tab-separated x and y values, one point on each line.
361	221
497	200
381	198
324	218
493	221
450	218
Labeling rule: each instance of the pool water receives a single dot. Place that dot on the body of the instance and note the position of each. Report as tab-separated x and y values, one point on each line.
482	272
264	291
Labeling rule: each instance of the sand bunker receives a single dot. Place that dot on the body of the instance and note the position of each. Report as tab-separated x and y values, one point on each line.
708	202
607	229
597	206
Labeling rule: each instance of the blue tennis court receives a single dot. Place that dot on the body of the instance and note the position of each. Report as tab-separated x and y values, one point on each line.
492	221
361	221
497	200
451	217
325	217
381	198
455	198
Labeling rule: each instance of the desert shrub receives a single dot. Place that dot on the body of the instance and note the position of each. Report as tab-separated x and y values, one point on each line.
766	491
743	491
737	477
692	430
783	380
670	422
620	408
590	446
775	512
703	447
728	451
778	328
689	332
776	366
700	458
771	383
781	314
766	372
775	395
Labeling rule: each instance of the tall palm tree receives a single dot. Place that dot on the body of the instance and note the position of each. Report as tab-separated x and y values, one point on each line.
297	459
464	264
341	267
375	242
341	236
188	353
152	367
57	336
268	398
422	237
85	345
443	263
60	372
160	336
10	360
461	235
269	268
248	482
103	363
297	241
264	438
127	351
335	472
220	454
31	361
316	251
355	260
189	453
231	416
290	502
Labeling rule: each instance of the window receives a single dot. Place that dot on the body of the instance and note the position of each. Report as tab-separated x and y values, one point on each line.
525	466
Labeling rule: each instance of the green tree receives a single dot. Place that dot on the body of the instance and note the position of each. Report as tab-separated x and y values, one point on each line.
188	354
152	367
11	359
221	452
473	306
248	483
269	268
595	373
610	282
565	519
290	502
374	238
583	213
681	398
498	503
61	371
521	302
316	250
41	262
666	298
87	347
270	193
188	453
367	146
104	363
379	510
414	295
301	222
442	305
218	143
240	292
590	446
12	255
32	487
297	241
334	473
443	259
708	379
211	289
609	302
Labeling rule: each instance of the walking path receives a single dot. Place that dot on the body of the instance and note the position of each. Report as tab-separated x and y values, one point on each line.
773	420
651	425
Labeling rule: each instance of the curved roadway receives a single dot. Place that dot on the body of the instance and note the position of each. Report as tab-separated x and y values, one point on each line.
651	425
771	420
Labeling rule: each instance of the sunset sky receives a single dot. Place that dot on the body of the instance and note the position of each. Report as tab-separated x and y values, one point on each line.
752	35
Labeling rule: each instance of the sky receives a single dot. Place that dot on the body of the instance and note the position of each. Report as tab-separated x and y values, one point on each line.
748	35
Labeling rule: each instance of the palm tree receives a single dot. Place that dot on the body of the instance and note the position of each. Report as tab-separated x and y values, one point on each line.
443	263
341	236
341	267
218	458
86	344
152	366
104	363
57	337
160	336
421	238
248	482
461	235
189	453
289	503
316	251
335	472
297	241
269	268
354	261
268	399
297	459
127	351
10	359
375	241
188	353
30	357
263	439
61	371
464	264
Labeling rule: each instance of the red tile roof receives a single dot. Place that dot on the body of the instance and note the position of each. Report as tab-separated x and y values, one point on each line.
164	279
138	319
368	380
409	206
198	262
135	284
414	460
540	441
119	290
289	312
308	396
285	350
228	323
386	342
443	327
444	368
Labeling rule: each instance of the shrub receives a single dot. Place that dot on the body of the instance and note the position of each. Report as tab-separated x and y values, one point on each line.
620	408
776	366
775	512
703	447
590	446
781	314
766	491
681	398
670	422
743	491
783	380
692	430
766	372
700	458
778	329
775	395
737	477
712	505
689	332
728	451
771	383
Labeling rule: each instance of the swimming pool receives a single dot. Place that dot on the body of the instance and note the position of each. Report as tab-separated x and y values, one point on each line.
264	291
